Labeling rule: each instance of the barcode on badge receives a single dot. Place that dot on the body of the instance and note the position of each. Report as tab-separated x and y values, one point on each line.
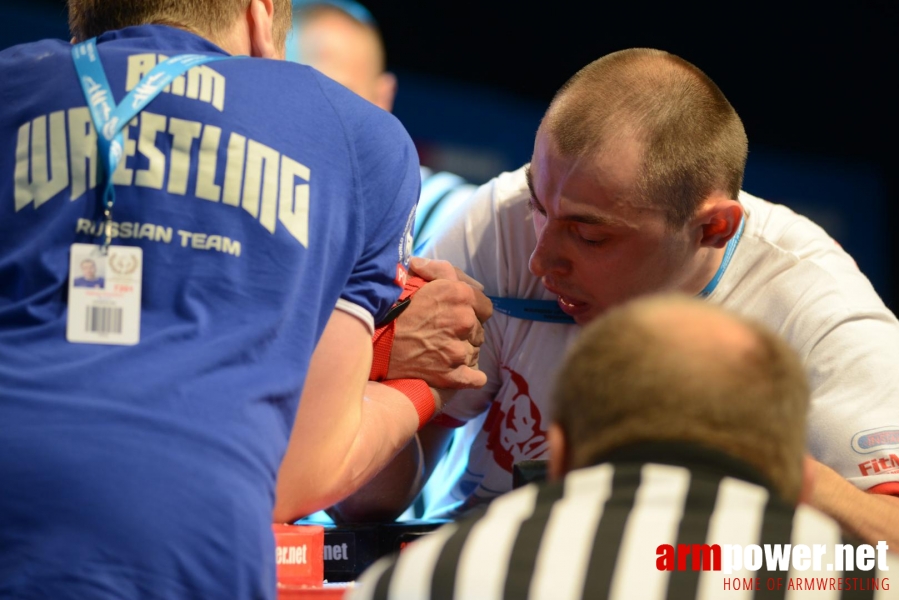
103	319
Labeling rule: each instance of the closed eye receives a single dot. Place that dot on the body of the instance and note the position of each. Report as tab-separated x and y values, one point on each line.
588	234
590	242
534	206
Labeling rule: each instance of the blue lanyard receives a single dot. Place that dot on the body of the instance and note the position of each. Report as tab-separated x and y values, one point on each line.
548	310
110	119
728	254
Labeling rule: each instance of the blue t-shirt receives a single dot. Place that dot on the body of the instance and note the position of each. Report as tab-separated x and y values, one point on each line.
263	195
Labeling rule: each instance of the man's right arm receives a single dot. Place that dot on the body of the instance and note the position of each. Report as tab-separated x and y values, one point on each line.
439	336
346	429
468	240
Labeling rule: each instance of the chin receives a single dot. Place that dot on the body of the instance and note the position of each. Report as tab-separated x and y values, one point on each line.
586	318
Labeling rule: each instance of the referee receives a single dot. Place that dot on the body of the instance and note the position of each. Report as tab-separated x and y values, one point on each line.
679	430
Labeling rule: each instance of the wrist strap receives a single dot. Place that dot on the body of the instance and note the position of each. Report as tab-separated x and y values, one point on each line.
382	341
382	344
419	394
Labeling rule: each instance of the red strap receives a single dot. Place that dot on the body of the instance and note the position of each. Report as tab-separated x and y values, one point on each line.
890	488
382	344
382	341
419	394
416	390
413	284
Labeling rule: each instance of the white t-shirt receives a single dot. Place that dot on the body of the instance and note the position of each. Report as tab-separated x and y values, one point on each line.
786	273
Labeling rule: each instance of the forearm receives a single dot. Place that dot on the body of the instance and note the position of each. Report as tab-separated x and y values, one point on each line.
346	428
389	493
349	452
870	517
392	491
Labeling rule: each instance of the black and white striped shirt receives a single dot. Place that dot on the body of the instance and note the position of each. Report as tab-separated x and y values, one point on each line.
597	535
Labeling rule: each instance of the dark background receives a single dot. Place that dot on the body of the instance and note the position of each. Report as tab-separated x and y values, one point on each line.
815	84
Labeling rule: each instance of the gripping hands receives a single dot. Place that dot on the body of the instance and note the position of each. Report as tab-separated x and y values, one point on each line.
438	336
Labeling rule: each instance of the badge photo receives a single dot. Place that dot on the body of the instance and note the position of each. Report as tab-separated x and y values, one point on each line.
104	295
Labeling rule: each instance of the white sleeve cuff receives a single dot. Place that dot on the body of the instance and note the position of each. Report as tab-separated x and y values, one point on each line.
357	311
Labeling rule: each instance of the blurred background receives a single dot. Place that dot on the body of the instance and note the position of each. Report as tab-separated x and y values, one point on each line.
817	88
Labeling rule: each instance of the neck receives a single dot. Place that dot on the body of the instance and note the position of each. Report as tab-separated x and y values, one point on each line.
708	261
235	41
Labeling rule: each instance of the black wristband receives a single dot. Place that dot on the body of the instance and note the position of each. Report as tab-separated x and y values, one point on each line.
395	311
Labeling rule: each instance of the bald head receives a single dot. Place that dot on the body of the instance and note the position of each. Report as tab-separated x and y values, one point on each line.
692	141
345	49
672	368
715	340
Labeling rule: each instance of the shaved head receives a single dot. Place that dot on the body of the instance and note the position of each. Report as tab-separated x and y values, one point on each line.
692	141
673	368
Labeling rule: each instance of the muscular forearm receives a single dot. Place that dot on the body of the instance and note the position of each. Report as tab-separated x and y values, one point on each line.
392	491
337	452
388	494
389	421
871	517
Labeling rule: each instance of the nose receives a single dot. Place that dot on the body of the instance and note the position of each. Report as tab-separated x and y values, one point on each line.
548	256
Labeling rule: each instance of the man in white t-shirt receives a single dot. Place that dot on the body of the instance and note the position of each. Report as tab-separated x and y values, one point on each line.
634	188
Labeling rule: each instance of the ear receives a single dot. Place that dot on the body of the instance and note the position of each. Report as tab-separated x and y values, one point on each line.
717	221
260	18
385	91
558	452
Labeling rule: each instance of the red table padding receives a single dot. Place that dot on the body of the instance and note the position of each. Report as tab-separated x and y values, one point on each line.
300	555
289	592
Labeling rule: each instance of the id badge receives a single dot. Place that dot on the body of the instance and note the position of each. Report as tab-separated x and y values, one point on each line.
104	295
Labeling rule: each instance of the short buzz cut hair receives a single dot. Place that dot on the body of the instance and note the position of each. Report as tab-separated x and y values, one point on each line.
631	378
692	140
90	18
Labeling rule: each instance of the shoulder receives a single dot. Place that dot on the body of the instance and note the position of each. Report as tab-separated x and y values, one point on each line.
511	188
365	120
27	68
506	194
786	267
35	51
493	204
289	92
490	236
785	230
780	232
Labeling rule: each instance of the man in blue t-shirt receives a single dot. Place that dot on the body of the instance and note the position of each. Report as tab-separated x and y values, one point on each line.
275	232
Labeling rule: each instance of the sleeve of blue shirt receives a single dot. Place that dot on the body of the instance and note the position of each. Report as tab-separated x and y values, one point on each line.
388	182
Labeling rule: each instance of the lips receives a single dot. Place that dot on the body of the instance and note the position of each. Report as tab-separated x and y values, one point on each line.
569	305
